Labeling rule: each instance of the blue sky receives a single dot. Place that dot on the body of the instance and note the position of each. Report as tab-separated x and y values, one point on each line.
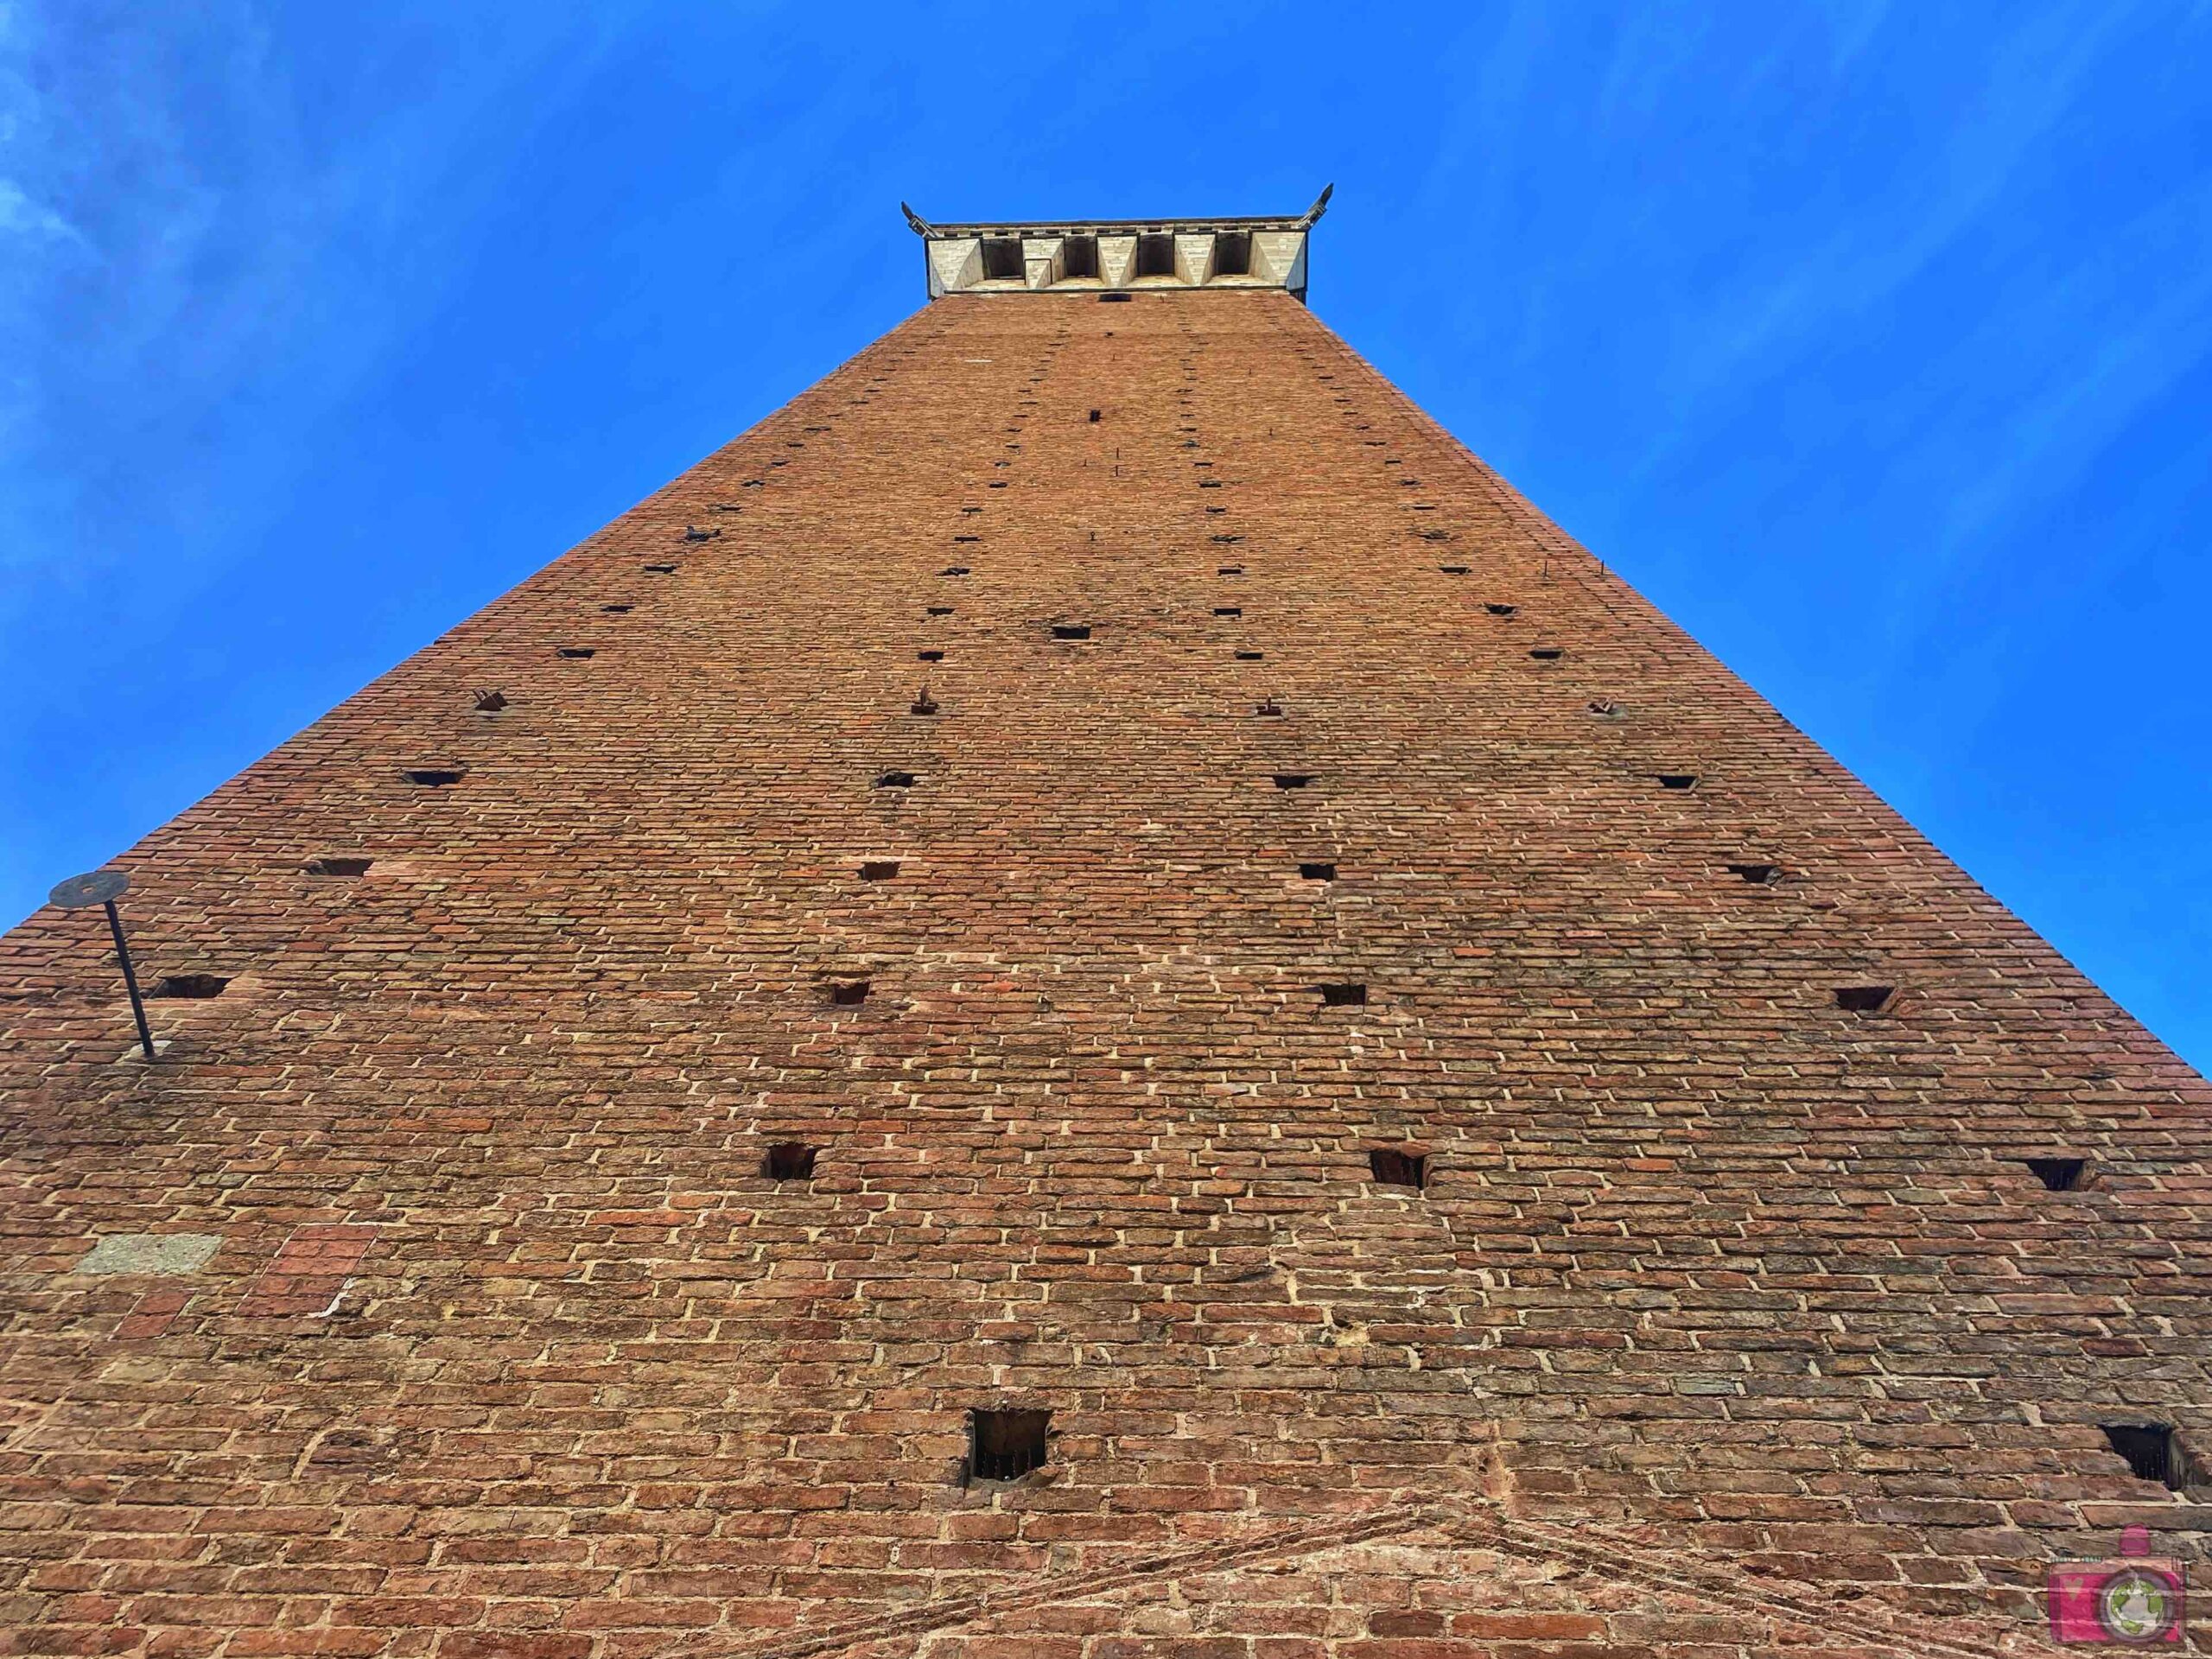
1873	342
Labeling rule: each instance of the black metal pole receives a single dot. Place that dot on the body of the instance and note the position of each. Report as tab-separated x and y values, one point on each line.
130	979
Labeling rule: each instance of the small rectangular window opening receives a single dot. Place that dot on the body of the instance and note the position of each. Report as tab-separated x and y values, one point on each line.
1864	999
2059	1174
789	1161
2153	1451
1094	417
338	865
1232	254
1758	875
1318	872
1228	610
1548	653
1292	780
618	610
1001	259
1079	256
1392	1167
1677	779
1250	656
1496	609
1343	996
1112	299
1230	570
1155	256
1453	570
1005	1444
662	569
848	992
1070	631
191	987
576	650
434	777
879	869
940	610
895	780
929	656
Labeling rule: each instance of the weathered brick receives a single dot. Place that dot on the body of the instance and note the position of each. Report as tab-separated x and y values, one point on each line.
1716	1296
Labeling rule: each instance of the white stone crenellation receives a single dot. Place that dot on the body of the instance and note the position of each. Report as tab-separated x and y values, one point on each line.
1111	256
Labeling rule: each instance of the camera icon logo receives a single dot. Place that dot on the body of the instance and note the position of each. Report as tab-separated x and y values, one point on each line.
2135	1600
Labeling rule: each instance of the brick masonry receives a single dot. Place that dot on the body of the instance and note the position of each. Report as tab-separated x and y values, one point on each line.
1730	1320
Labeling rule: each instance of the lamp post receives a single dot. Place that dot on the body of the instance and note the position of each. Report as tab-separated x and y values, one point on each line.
103	887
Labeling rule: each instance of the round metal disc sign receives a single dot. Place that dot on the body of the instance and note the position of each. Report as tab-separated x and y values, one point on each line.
94	888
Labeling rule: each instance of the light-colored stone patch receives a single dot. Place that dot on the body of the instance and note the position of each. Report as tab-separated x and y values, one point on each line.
165	1253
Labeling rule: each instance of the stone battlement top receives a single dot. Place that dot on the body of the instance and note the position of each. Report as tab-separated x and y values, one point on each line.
1109	256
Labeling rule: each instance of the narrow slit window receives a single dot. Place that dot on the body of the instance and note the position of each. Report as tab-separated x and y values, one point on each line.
1250	657
1497	609
1112	299
189	987
2059	1174
1758	875
1292	780
334	865
929	656
1321	872
1228	610
940	610
1864	999
848	992
1001	259
1394	1167
1677	779
618	610
1230	570
578	652
1005	1444
1343	996
1070	631
2153	1451
1453	570
954	570
662	569
789	1161
1548	653
434	777
895	780
879	869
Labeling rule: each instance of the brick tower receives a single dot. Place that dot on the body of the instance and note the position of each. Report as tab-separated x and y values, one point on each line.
1088	999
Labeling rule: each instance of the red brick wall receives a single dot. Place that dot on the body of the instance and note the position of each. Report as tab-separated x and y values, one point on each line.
1726	1314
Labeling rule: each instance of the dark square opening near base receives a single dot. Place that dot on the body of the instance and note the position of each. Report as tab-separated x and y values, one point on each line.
1005	1444
2153	1451
2059	1174
1393	1166
789	1161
